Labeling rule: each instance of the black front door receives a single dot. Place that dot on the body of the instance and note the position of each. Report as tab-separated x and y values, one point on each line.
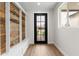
40	28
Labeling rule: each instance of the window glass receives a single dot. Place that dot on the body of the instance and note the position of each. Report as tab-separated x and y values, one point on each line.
42	18
38	18
62	15
74	14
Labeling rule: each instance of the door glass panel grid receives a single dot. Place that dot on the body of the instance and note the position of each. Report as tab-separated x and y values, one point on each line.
40	28
40	18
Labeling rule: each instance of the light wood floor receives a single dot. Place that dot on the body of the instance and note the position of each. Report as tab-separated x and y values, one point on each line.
42	50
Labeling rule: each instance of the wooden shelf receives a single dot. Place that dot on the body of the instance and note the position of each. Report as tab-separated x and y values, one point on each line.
14	9
14	13
2	34
14	18
2	14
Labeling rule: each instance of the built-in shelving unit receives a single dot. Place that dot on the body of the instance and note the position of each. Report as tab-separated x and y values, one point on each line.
2	28
14	24
10	25
23	26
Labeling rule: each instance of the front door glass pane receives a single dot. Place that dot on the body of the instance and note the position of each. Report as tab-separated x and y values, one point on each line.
42	18
40	28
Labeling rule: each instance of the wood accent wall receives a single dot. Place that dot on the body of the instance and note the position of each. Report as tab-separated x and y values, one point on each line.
14	25
2	28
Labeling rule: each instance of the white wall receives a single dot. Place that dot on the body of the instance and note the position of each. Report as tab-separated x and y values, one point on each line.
50	27
30	27
66	39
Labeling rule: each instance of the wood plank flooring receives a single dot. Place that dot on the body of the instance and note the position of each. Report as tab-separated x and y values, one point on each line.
42	50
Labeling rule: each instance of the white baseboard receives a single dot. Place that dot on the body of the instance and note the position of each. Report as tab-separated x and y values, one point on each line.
61	50
25	48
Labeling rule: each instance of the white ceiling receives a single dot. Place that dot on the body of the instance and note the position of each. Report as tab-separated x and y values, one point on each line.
32	6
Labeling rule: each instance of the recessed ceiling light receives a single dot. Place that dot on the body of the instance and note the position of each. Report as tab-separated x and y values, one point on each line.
38	4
